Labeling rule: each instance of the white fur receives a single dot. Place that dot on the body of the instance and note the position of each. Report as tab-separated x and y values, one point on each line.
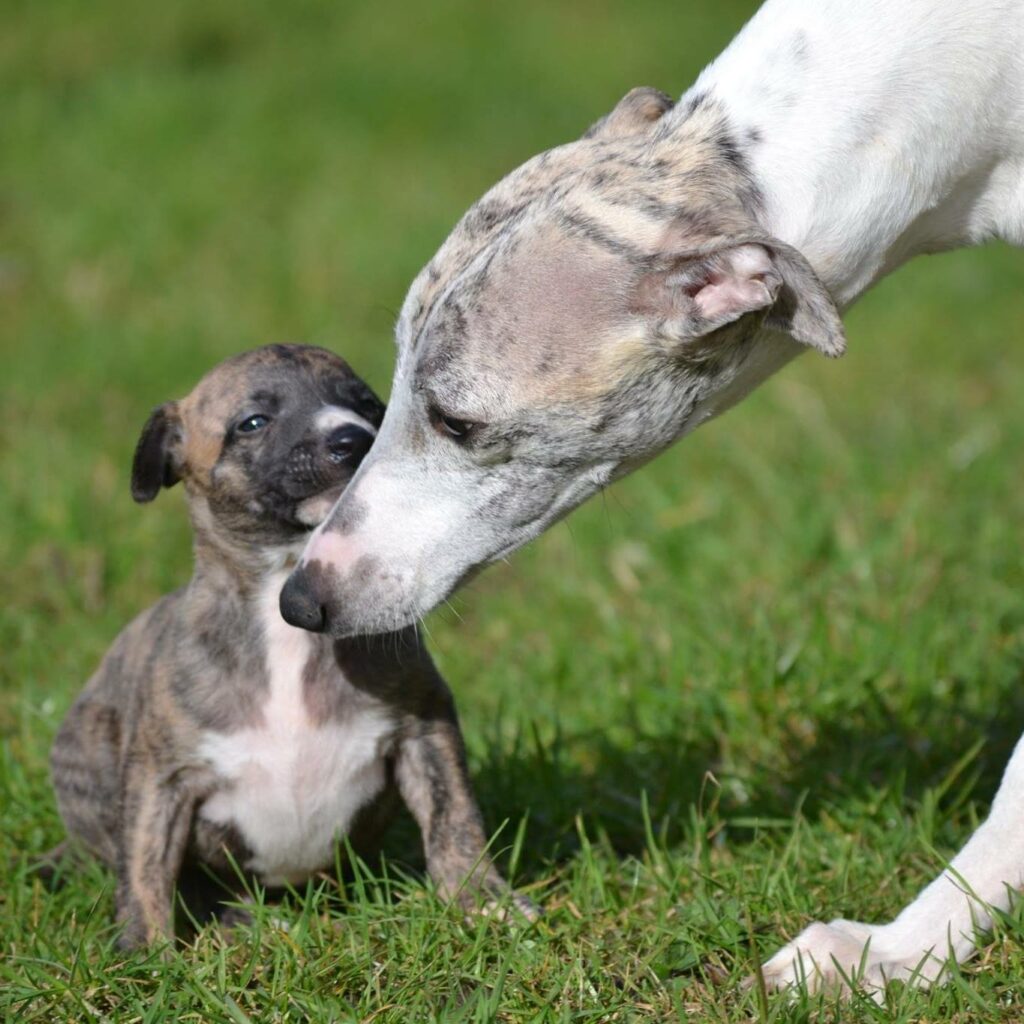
292	787
384	489
887	129
331	416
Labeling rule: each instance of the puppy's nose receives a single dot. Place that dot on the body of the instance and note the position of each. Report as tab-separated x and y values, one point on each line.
300	606
348	443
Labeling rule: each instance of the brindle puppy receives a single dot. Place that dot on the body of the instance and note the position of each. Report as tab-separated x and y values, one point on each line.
213	731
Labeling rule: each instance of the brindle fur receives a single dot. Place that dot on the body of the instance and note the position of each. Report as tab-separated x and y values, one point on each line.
126	762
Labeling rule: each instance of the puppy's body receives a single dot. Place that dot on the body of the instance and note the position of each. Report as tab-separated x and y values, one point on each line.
279	752
214	733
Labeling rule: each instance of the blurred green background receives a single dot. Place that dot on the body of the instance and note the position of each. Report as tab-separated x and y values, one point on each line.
794	624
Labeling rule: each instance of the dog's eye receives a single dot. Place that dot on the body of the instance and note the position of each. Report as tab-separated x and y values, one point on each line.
253	423
452	426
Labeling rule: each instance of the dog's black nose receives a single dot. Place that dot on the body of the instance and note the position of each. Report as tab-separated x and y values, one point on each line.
299	605
349	443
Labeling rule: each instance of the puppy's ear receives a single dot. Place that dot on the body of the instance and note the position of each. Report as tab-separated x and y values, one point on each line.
701	291
634	113
157	455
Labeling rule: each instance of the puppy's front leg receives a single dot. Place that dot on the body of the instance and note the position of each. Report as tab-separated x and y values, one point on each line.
157	818
434	782
941	924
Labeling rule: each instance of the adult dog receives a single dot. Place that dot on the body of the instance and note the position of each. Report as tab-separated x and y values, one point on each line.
611	295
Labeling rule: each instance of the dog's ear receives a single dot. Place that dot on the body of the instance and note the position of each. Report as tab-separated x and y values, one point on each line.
156	462
699	292
634	113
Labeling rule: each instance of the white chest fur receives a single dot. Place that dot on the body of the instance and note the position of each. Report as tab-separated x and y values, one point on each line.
292	786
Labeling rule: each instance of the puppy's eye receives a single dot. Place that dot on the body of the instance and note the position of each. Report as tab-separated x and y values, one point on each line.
452	426
253	423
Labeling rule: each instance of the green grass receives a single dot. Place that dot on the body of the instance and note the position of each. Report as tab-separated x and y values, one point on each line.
773	677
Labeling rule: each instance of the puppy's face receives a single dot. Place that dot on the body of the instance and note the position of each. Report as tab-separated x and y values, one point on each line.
265	443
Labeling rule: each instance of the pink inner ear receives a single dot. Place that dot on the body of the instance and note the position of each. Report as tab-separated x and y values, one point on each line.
729	297
736	285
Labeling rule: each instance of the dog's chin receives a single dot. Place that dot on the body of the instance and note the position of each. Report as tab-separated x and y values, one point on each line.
311	512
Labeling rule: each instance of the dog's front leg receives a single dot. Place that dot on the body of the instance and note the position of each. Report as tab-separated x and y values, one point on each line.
940	925
434	782
157	818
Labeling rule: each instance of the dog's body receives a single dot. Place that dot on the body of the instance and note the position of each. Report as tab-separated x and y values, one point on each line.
215	732
611	295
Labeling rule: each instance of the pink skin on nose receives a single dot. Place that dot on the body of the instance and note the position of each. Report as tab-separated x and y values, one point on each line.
331	548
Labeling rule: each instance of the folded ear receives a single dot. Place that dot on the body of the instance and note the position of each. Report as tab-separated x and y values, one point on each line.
634	113
705	290
156	462
804	309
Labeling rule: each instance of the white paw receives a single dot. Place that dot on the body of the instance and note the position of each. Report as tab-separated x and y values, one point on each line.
845	955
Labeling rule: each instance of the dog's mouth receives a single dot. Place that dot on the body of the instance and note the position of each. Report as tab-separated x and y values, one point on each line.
312	511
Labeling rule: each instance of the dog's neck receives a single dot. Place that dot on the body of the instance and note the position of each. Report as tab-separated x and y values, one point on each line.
239	570
877	130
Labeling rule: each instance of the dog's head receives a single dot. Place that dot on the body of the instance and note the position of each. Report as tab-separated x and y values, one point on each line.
596	305
265	443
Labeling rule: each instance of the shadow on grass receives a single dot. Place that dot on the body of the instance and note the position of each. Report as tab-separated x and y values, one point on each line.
945	746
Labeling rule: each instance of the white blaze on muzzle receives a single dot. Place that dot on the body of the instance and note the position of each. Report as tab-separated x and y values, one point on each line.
332	416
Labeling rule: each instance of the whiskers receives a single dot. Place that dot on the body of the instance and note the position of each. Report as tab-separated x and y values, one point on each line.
417	623
455	611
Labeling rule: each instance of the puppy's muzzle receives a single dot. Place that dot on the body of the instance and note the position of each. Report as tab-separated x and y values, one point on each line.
300	605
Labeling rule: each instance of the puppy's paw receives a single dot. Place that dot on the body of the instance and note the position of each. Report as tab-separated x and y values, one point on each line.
509	906
136	937
496	898
845	955
526	907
